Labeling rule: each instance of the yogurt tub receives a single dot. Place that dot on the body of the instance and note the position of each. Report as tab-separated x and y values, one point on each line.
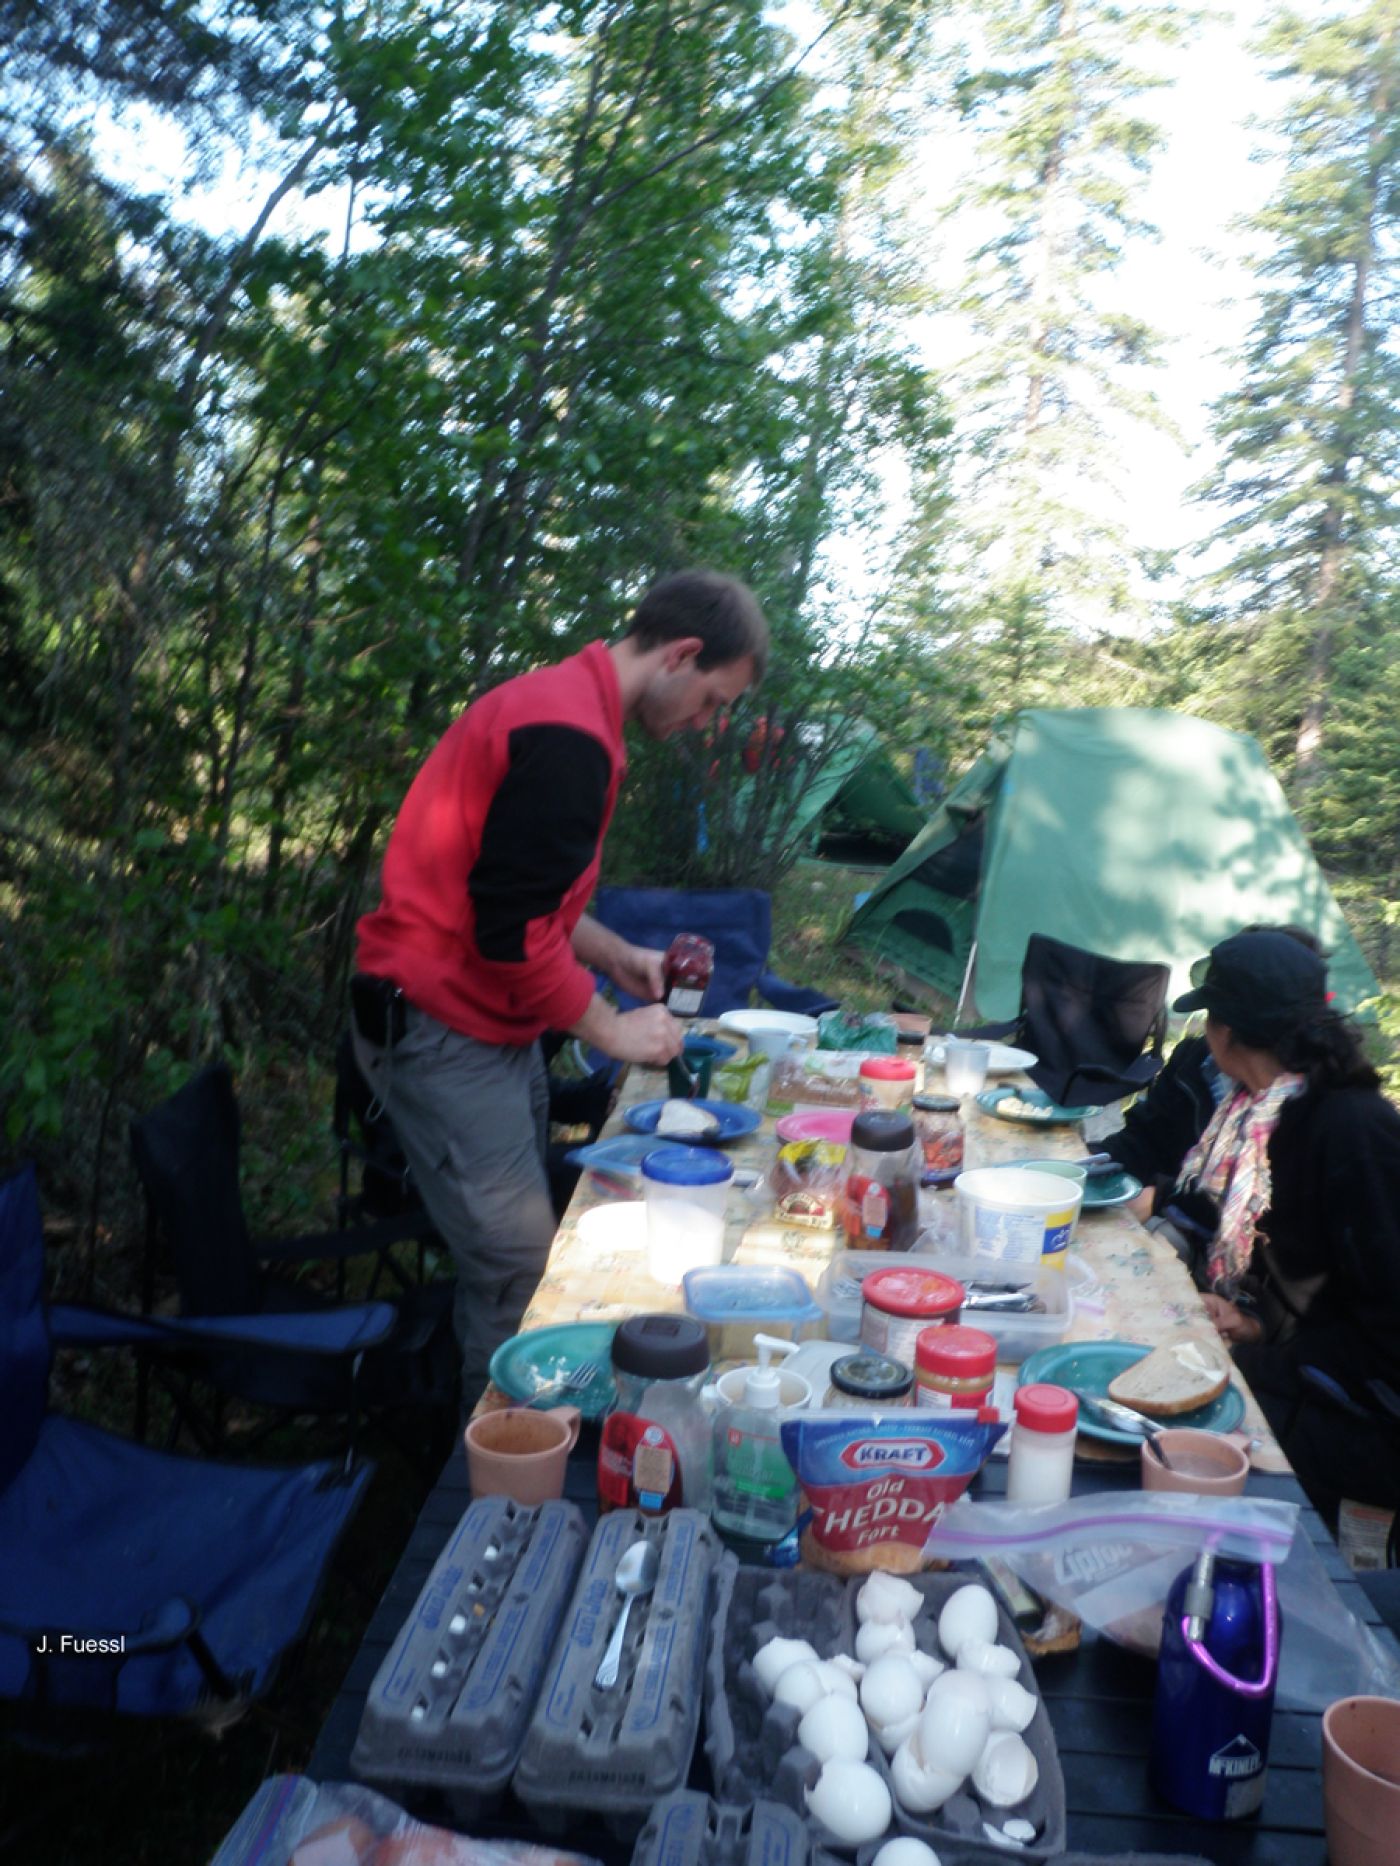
898	1304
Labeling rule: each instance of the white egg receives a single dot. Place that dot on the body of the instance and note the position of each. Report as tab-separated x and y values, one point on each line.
926	1666
906	1851
890	1735
851	1801
1006	1771
1011	1705
955	1723
834	1727
836	1680
853	1668
993	1661
801	1685
891	1691
773	1659
968	1613
918	1787
877	1637
884	1598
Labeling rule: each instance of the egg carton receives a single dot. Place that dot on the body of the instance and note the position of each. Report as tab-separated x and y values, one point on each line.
615	1752
964	1817
688	1829
752	1744
957	1853
449	1706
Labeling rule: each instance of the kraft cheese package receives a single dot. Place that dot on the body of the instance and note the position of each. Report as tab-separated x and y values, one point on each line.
875	1484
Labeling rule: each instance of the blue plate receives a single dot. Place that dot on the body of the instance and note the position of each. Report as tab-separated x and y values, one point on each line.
528	1364
1014	1104
734	1119
1088	1366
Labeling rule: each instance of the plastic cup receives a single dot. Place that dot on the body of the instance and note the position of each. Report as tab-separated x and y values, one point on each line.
965	1065
521	1454
1203	1464
1361	1780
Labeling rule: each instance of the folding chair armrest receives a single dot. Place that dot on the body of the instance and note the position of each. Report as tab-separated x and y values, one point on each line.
347	1329
1331	1390
785	996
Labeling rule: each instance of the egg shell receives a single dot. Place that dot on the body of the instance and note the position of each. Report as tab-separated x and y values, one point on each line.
1020	1831
889	1736
878	1637
1006	1771
906	1851
851	1802
801	1685
772	1660
853	1668
836	1680
993	1661
920	1788
885	1598
927	1667
955	1723
968	1613
891	1691
834	1727
1010	1704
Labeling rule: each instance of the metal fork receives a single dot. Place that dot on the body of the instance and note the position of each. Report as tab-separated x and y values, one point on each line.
577	1380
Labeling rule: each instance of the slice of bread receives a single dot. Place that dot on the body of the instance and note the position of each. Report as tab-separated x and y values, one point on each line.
1177	1377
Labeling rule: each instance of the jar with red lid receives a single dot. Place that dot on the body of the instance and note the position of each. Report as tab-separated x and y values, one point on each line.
686	971
897	1304
954	1368
1041	1464
887	1081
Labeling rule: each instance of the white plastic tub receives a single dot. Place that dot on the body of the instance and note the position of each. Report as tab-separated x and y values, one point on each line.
1010	1218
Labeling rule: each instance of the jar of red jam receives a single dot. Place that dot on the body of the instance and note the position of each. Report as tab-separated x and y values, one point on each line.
687	970
938	1124
954	1368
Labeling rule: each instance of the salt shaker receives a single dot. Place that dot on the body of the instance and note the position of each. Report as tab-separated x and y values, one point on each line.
1041	1465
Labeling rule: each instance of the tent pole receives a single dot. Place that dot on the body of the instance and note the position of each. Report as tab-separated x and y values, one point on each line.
967	980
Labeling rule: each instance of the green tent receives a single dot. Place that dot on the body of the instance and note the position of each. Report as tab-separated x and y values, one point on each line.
844	799
1134	833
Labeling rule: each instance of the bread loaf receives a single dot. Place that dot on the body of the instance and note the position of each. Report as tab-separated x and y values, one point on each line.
1177	1377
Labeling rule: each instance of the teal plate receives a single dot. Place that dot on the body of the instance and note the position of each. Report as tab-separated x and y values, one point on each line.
527	1364
1088	1366
995	1101
1101	1190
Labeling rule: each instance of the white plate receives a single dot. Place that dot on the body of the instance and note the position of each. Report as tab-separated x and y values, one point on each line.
1004	1060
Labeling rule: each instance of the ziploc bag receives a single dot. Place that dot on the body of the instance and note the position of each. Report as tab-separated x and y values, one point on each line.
1111	1558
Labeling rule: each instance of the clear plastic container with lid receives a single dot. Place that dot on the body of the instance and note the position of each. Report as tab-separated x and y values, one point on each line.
1041	1464
687	1190
737	1300
887	1081
954	1368
939	1129
868	1383
898	1303
655	1449
879	1205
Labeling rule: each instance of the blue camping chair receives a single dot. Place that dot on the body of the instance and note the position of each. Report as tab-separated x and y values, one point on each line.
192	1579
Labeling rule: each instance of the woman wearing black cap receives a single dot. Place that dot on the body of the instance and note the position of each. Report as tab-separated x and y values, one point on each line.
1298	1172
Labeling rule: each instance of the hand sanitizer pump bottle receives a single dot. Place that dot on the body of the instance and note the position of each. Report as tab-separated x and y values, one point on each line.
755	1495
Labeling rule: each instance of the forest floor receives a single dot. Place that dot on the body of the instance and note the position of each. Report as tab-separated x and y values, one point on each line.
166	1795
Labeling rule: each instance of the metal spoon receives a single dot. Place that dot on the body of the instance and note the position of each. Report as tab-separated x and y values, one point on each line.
1125	1419
636	1576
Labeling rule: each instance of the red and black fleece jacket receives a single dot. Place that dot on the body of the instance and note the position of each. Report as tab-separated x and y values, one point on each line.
495	854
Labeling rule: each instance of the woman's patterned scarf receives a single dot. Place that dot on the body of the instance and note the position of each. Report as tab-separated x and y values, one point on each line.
1230	1163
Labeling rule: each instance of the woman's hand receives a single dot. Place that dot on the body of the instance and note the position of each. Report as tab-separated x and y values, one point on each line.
1231	1323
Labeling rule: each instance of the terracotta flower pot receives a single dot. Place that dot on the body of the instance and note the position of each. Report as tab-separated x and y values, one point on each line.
1361	1781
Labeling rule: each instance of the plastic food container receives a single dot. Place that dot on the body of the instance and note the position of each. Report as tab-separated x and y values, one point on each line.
839	1286
687	1189
954	1368
738	1301
1018	1336
1012	1221
887	1081
898	1303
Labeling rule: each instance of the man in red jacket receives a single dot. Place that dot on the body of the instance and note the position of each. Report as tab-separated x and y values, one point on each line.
480	942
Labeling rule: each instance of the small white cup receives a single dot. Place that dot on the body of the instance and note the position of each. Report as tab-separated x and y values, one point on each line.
965	1063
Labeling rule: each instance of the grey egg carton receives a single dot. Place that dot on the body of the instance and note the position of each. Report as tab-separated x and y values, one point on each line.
615	1752
449	1706
963	1816
688	1829
752	1744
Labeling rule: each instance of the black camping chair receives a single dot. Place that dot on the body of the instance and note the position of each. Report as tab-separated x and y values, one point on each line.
187	1156
1096	1025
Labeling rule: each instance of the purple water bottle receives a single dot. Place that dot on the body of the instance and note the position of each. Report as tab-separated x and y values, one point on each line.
1215	1688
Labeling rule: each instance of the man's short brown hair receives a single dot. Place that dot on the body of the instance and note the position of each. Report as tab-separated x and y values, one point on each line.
720	610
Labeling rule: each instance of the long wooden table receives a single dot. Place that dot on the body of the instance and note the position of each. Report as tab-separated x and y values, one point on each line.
1099	1697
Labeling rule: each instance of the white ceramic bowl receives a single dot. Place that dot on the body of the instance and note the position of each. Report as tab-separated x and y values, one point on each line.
772	1033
